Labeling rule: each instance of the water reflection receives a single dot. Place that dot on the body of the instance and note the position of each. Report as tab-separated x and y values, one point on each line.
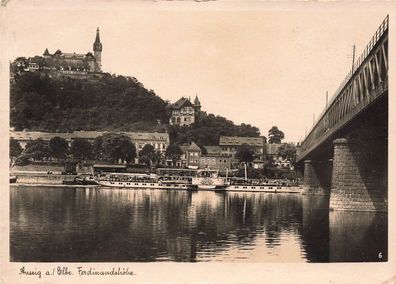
358	235
315	228
151	225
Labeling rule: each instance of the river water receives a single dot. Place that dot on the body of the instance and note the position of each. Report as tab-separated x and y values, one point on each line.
117	225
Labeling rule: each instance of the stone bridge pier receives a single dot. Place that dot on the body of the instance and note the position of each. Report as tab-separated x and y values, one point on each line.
356	177
359	178
317	177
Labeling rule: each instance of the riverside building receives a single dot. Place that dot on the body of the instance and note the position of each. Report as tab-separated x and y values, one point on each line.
160	141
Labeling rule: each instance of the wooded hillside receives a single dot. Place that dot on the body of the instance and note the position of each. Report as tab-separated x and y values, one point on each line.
113	103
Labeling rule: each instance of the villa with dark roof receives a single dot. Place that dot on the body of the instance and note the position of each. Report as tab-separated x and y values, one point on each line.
183	111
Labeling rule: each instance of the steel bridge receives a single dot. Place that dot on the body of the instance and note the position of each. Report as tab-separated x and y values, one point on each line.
364	84
346	152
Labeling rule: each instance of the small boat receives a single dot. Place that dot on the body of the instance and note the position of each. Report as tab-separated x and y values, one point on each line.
85	180
206	186
13	179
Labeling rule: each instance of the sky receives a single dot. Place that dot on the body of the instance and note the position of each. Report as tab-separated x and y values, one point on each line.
262	64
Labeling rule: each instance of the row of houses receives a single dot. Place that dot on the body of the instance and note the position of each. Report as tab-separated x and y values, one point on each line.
223	156
160	141
220	157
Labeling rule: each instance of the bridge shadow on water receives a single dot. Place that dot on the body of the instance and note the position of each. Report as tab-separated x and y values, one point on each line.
358	236
342	236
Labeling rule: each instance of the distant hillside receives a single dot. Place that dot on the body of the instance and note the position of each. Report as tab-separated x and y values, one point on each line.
119	103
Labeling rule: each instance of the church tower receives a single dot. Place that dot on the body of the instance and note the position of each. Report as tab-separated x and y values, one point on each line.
97	48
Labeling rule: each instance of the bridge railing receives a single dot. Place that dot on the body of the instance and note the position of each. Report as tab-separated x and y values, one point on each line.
365	81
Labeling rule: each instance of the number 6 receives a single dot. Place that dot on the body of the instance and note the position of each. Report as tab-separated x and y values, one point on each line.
380	255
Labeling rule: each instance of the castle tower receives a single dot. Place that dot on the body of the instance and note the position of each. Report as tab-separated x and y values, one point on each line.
197	104
46	53
97	48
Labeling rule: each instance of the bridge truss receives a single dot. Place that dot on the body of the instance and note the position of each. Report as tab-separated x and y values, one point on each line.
364	84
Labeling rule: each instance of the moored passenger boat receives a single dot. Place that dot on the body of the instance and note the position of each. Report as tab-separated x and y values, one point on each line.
263	187
139	181
209	180
249	185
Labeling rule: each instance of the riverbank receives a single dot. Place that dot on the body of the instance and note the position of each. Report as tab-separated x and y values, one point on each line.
52	185
44	168
290	190
57	179
45	174
42	178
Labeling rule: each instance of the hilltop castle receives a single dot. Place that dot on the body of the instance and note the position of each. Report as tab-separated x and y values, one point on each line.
69	61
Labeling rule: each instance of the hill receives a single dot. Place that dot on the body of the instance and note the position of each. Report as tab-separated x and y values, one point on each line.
39	102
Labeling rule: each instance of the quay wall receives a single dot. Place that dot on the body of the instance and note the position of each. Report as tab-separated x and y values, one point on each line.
29	178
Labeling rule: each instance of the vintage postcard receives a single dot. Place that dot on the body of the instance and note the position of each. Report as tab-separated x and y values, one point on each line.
197	142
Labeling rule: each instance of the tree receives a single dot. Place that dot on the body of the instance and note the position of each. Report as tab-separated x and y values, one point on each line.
144	160
204	151
173	152
15	148
275	135
117	147
288	151
147	150
245	153
22	160
58	147
37	149
148	155
97	148
19	64
270	161
246	130
81	149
